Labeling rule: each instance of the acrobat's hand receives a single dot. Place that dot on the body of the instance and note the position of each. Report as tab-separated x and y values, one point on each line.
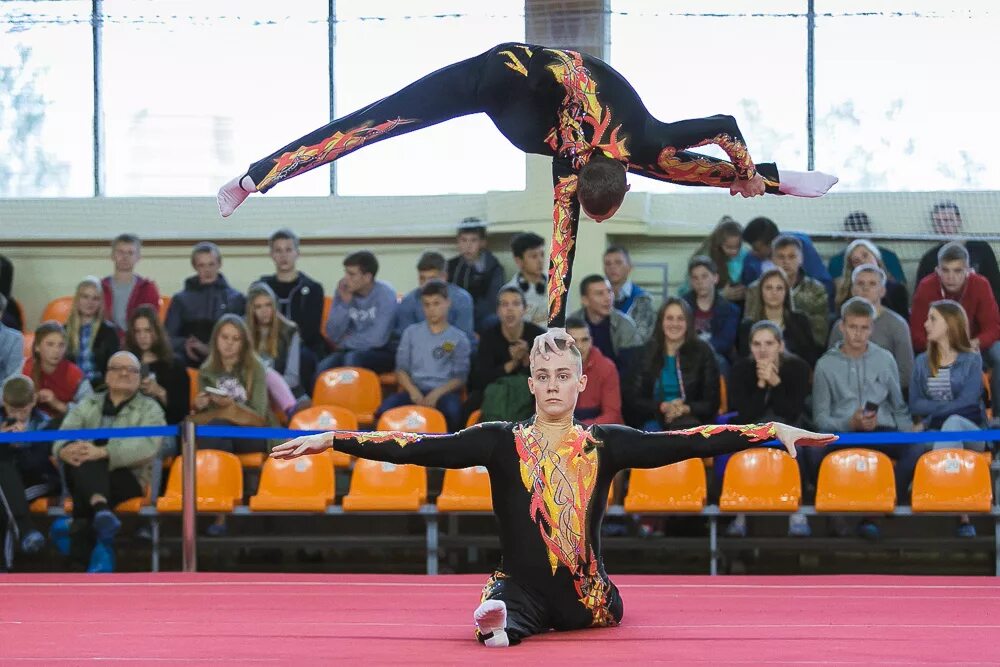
546	343
302	446
791	436
752	187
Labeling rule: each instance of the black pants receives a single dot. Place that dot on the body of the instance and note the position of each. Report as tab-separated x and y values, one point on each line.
86	480
25	474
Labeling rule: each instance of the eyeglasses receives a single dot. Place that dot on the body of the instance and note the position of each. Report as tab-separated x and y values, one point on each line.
129	370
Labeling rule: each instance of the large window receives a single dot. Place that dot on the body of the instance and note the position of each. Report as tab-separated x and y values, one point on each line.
376	57
46	99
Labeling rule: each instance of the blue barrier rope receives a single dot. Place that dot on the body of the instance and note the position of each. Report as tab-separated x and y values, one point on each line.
90	434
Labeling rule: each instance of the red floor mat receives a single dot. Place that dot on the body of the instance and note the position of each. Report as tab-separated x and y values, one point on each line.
146	619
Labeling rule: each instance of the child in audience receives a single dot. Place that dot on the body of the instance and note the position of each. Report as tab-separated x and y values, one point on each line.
277	342
60	383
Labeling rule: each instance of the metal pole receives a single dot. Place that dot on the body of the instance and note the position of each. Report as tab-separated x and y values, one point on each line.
96	23
713	546
811	84
331	42
432	544
189	498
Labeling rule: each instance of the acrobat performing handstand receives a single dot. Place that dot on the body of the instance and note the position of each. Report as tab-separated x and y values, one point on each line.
550	478
553	102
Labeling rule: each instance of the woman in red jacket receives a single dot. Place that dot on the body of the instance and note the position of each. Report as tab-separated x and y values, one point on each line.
60	382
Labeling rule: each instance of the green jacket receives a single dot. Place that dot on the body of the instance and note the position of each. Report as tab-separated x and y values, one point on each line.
136	454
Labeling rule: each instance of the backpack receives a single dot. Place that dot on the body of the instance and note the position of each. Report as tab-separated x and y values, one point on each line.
508	399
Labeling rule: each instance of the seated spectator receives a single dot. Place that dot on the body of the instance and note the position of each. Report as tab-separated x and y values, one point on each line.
11	317
715	319
361	317
954	280
856	388
25	470
724	246
759	233
102	473
863	251
770	299
858	222
60	383
769	385
676	383
277	342
195	310
300	298
476	270
90	340
503	357
431	266
11	346
629	297
528	249
432	361
889	331
809	297
946	389
125	290
613	332
601	401
946	220
163	377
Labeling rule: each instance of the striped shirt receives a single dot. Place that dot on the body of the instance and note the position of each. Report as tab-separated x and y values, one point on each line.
939	386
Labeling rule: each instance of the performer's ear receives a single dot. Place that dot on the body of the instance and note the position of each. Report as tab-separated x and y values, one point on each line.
582	386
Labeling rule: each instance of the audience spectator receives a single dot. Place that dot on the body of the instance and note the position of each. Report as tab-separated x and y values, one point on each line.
676	384
889	331
25	470
432	361
476	270
759	233
361	318
300	298
528	249
856	388
163	377
770	299
946	220
953	280
859	223
715	319
432	266
863	251
195	310
601	400
630	299
809	297
102	473
90	340
60	383
946	389
11	317
769	385
277	341
11	346
613	332
724	246
125	290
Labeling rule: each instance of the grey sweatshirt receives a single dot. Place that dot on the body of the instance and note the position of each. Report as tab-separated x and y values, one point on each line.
432	359
842	385
364	323
11	352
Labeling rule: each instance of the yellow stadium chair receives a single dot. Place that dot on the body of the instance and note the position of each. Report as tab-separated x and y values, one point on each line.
856	480
164	307
304	484
466	490
474	418
356	389
58	309
413	419
218	482
679	487
327	418
761	480
384	486
29	343
952	480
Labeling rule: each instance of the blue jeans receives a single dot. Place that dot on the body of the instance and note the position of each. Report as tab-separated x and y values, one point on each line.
960	423
450	406
380	360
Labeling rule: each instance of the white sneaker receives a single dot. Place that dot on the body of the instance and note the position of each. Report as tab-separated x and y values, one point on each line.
737	527
491	619
798	526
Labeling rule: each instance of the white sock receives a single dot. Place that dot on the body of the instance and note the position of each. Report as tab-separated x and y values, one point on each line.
233	193
491	619
805	183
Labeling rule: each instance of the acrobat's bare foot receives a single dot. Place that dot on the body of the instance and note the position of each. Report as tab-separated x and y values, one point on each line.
805	183
491	619
233	193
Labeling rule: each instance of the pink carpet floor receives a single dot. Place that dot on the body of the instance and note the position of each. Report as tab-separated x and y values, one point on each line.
248	619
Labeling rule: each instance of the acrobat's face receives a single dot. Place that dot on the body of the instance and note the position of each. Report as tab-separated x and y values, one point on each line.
557	382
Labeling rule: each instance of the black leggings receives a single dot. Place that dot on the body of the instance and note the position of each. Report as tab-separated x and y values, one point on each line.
94	478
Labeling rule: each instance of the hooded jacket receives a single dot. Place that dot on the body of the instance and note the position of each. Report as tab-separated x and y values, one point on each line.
195	309
842	385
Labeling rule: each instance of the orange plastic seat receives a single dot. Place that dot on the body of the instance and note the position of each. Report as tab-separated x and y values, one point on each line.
39	505
164	307
723	396
761	480
474	418
413	419
251	459
679	487
356	389
218	481
133	505
385	486
388	381
58	309
327	418
856	480
193	382
466	490
951	480
327	304
304	484
29	343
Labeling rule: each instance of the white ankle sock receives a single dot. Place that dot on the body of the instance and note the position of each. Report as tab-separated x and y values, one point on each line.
805	183
233	193
491	618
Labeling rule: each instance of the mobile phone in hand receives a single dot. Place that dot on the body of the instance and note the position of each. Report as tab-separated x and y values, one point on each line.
9	421
215	391
871	408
